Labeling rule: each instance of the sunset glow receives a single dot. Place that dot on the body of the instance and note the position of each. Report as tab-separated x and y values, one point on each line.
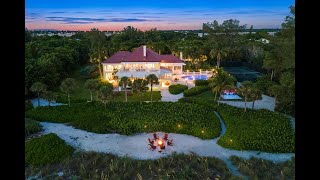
144	15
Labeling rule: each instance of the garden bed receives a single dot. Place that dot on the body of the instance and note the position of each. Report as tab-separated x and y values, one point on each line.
131	117
260	130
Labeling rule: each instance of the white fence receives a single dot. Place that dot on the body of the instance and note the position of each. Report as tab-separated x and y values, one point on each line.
196	72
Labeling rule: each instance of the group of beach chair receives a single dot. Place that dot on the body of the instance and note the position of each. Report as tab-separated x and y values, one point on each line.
156	137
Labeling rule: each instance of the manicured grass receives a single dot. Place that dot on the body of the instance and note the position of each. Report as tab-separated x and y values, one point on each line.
263	169
135	97
31	126
177	88
195	90
260	130
106	166
131	117
46	149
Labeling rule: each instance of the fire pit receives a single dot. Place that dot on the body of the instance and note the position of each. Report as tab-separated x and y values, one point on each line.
160	142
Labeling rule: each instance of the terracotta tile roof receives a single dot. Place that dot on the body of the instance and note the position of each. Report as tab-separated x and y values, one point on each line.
117	57
168	58
137	56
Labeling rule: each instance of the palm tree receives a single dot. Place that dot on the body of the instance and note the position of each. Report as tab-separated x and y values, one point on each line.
49	96
92	85
67	86
152	79
221	81
218	53
105	94
97	51
246	90
275	90
255	95
38	88
124	81
139	85
98	55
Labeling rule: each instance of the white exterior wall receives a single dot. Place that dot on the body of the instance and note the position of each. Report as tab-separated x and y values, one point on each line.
133	69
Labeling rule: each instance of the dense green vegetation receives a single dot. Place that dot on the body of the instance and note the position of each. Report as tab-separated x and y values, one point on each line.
264	169
49	60
131	117
28	105
31	126
260	130
177	88
106	166
195	90
201	82
46	149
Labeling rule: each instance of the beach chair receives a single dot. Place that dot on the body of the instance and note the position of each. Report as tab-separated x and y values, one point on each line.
150	141
169	142
152	147
155	136
165	137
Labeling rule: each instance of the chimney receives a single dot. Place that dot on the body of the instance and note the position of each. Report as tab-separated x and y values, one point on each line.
181	55
144	50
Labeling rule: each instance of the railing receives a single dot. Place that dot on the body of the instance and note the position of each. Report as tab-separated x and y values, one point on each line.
196	72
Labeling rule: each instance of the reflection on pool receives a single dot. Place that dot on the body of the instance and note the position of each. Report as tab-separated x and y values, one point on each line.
195	77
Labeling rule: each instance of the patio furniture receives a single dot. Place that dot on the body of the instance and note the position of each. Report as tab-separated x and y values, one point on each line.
169	142
165	137
152	147
150	141
155	136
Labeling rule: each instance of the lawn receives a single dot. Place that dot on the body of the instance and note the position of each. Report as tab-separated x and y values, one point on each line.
107	166
131	117
260	130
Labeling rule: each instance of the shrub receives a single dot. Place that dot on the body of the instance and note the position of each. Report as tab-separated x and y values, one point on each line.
195	90
201	82
31	126
263	169
89	71
260	130
131	117
90	165
263	83
46	149
28	105
177	88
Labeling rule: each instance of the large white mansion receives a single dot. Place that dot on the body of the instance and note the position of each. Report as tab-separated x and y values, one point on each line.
142	62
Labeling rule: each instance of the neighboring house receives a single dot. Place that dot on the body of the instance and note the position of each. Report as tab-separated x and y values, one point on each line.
142	62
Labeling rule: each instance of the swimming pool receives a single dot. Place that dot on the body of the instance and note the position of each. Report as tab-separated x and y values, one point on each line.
195	77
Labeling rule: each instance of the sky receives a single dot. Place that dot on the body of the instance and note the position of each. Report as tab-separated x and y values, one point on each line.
114	15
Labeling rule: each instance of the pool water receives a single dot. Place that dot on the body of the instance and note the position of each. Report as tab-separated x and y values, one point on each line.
195	77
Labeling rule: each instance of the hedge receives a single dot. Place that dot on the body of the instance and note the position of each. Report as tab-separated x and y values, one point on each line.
177	88
46	149
201	82
259	130
31	126
195	90
131	117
